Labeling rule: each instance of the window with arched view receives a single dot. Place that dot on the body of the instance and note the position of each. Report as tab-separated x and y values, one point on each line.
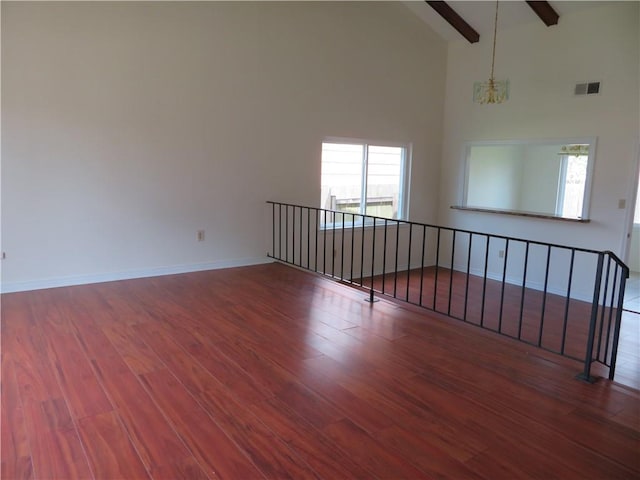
363	178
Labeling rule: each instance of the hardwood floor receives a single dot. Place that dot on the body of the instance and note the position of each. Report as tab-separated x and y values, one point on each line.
526	314
270	372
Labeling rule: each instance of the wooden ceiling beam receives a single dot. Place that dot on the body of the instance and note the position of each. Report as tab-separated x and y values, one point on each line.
456	21
545	11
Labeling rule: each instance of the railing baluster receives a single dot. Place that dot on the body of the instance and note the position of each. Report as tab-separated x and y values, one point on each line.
409	261
544	295
624	274
604	306
451	270
273	229
309	238
293	235
342	251
324	245
435	283
588	356
566	306
466	287
280	231
316	244
353	239
373	258
524	287
362	255
384	255
395	270
613	289
333	246
484	281
504	278
424	241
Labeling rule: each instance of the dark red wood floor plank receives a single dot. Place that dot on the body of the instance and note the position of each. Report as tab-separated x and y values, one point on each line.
352	406
135	352
533	436
266	451
14	442
264	448
257	364
223	368
55	443
108	448
427	457
16	318
210	446
153	438
447	433
376	457
76	377
35	374
317	450
187	468
309	405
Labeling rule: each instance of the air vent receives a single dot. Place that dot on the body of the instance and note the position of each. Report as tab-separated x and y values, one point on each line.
587	88
593	88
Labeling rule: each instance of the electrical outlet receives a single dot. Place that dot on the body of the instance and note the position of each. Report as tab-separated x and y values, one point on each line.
622	203
4	255
501	254
201	235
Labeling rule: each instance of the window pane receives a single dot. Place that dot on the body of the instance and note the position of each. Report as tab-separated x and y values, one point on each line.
384	175
575	181
341	187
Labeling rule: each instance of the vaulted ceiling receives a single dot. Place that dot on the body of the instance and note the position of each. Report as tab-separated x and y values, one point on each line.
479	15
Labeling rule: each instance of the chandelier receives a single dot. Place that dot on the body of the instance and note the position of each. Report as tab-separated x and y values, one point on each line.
492	91
576	150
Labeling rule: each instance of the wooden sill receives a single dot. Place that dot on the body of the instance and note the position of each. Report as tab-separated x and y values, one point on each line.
520	214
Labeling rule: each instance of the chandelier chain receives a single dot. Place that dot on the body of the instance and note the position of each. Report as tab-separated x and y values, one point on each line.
495	34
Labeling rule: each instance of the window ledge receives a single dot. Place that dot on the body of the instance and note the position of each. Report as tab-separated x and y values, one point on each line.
391	222
521	214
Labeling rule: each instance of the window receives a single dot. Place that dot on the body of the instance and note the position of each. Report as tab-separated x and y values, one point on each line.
363	178
571	185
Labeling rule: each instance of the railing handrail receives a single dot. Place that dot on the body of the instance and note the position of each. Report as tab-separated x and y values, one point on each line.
621	264
486	234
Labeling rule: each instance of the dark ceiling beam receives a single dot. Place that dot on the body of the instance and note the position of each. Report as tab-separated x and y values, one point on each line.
545	11
456	21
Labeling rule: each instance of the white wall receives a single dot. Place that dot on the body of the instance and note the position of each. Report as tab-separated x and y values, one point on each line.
127	127
496	174
543	64
539	181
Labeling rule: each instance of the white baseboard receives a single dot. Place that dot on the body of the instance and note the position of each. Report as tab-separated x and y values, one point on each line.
575	293
10	287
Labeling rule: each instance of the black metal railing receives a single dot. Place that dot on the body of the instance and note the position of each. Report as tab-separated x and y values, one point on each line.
562	299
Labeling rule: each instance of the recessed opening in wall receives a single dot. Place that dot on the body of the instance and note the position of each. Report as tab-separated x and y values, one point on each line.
541	178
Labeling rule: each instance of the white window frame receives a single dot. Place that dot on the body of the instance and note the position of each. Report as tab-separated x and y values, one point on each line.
405	174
